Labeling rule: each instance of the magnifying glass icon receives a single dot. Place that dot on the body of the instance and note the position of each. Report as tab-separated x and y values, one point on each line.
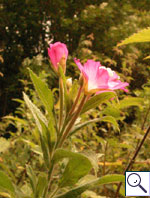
134	180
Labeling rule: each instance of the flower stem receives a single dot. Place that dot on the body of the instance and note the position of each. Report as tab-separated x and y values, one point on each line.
75	102
68	116
61	95
66	133
133	159
50	175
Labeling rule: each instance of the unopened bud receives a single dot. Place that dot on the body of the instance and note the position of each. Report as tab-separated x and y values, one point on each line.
69	83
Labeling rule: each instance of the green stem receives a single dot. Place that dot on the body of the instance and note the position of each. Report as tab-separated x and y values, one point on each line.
75	102
68	117
61	92
55	119
66	133
54	192
50	175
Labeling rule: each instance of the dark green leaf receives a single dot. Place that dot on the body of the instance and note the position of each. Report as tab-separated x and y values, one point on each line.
77	167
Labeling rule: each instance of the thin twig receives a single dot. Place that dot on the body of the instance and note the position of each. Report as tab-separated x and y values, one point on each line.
145	118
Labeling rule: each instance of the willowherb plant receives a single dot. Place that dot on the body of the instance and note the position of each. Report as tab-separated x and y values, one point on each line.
96	86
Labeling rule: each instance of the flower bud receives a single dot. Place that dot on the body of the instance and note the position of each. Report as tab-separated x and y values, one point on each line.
58	54
69	83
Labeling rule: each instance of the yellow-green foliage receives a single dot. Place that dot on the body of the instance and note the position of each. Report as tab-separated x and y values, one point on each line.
141	36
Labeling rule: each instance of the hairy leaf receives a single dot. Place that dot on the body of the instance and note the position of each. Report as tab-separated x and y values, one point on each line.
43	91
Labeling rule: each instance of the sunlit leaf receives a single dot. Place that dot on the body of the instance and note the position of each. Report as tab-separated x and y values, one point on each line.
141	36
147	57
5	183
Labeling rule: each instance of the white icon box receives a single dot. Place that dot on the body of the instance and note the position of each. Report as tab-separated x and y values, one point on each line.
137	183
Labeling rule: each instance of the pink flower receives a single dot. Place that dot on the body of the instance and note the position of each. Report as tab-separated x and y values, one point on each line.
98	78
114	82
58	54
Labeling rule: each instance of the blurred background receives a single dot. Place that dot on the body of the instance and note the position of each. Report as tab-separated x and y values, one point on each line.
90	28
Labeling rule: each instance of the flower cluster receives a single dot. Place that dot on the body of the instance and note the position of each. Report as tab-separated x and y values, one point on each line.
96	78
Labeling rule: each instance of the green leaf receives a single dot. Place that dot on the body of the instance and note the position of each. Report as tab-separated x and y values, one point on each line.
37	114
113	111
41	185
41	122
104	119
97	100
112	121
74	90
80	126
34	147
141	36
32	177
5	183
44	92
75	192
78	166
51	135
130	101
45	151
22	121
